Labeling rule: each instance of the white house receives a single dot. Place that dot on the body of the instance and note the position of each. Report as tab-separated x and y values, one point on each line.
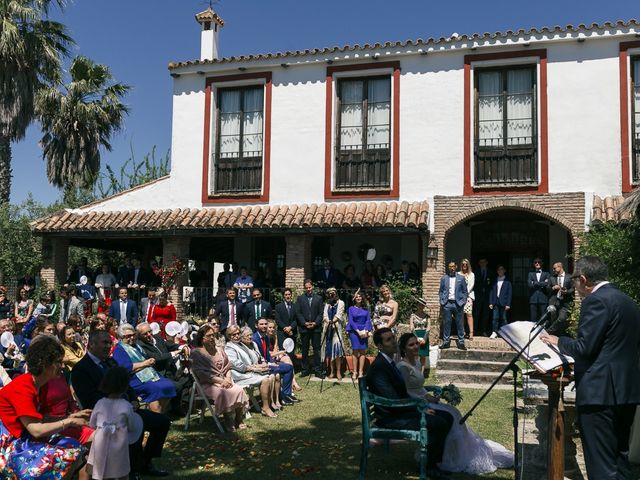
505	146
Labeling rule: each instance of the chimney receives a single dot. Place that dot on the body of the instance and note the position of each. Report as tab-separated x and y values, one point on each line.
211	25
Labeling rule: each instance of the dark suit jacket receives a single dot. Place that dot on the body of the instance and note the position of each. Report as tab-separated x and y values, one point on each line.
607	349
506	294
74	276
222	313
321	279
286	318
538	289
161	351
132	311
85	380
306	313
250	312
567	298
482	287
258	341
128	276
382	380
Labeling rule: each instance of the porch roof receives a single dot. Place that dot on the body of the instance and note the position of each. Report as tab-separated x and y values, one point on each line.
324	216
607	209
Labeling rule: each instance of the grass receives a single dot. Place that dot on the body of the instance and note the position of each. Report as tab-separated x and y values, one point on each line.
318	438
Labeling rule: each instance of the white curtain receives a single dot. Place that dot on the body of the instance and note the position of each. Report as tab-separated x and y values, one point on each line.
378	114
636	96
490	131
229	123
252	123
519	107
351	96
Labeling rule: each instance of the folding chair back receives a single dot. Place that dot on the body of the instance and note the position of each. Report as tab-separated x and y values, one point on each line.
197	393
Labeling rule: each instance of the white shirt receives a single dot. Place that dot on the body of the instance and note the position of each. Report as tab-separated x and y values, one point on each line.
538	275
452	288
499	283
598	286
560	283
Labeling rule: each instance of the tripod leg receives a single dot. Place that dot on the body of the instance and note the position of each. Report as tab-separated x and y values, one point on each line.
516	466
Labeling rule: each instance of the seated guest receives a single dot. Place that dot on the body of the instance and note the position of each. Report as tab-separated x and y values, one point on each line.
43	306
212	368
13	354
81	335
154	389
247	371
384	379
5	305
277	353
261	339
38	326
24	433
5	379
162	313
219	337
73	351
86	377
166	356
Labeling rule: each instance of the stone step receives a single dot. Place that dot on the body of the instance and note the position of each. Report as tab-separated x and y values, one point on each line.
465	376
476	355
471	365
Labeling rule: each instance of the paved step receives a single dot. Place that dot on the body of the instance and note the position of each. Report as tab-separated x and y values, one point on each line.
466	376
470	365
476	355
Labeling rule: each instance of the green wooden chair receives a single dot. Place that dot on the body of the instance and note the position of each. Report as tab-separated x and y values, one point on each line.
369	429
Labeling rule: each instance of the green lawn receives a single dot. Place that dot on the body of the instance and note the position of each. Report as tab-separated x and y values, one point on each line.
317	438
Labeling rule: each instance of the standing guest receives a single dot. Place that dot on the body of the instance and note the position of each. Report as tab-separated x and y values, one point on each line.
384	379
125	273
467	272
385	313
607	367
162	313
286	318
333	321
453	297
380	276
148	303
148	384
350	280
81	270
23	308
124	310
86	377
106	279
5	305
246	369
500	300
327	276
226	278
562	292
255	309
116	423
261	339
482	289
359	328
27	281
420	325
42	307
244	284
309	317
538	282
70	304
279	355
406	275
213	369
24	434
230	311
73	351
139	276
367	279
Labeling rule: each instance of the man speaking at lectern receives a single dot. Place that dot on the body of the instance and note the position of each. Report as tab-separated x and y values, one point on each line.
607	369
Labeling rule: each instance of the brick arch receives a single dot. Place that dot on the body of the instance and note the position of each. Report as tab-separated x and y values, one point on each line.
512	205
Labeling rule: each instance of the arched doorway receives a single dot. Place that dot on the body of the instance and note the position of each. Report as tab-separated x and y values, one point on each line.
513	238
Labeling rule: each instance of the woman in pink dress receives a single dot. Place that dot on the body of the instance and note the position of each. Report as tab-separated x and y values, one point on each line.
213	369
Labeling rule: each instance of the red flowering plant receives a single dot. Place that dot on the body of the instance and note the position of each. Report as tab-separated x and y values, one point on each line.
169	273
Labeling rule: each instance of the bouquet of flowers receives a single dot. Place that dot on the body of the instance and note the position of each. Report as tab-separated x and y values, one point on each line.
451	394
169	273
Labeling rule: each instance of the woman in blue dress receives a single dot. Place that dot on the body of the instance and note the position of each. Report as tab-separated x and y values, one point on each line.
359	328
148	384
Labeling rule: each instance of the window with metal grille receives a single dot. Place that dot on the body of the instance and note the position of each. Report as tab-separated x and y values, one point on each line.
363	138
238	155
505	143
635	119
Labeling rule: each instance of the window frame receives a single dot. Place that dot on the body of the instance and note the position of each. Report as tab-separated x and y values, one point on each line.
333	75
634	152
626	50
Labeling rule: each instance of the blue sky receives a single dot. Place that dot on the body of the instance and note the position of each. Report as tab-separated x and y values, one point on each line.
138	38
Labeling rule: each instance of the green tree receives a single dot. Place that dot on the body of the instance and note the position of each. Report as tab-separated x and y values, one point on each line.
31	49
77	121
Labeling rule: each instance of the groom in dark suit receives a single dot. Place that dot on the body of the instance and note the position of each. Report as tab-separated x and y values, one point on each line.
538	282
607	369
384	379
561	296
309	309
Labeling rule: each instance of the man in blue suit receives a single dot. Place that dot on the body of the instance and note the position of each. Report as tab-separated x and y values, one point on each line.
124	310
453	295
607	355
538	281
500	300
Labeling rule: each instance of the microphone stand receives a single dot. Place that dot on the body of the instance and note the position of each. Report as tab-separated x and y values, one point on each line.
514	368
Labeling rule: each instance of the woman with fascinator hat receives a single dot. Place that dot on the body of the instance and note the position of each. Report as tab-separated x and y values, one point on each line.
333	321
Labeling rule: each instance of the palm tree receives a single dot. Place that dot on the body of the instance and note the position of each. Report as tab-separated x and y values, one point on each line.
31	49
77	121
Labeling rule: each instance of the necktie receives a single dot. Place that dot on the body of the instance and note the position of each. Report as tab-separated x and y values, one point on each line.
310	298
288	309
123	311
257	310
264	348
232	313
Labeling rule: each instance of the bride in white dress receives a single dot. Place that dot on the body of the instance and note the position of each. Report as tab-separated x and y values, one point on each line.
464	450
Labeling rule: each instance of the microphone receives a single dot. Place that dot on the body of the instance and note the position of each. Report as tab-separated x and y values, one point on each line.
551	310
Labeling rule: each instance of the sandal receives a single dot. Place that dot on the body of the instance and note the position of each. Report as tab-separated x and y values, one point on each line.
297	388
265	414
242	426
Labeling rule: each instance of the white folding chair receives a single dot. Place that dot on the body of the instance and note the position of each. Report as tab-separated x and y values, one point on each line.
250	390
197	394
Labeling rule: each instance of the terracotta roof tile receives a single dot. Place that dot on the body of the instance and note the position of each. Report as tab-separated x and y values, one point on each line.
325	215
605	209
424	44
209	15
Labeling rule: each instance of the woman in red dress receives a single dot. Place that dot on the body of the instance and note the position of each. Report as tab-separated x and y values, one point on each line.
162	313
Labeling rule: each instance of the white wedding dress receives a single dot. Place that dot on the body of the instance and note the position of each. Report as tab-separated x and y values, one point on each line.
464	450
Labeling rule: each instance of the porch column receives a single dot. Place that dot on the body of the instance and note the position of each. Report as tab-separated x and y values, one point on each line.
55	259
432	269
177	247
297	260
